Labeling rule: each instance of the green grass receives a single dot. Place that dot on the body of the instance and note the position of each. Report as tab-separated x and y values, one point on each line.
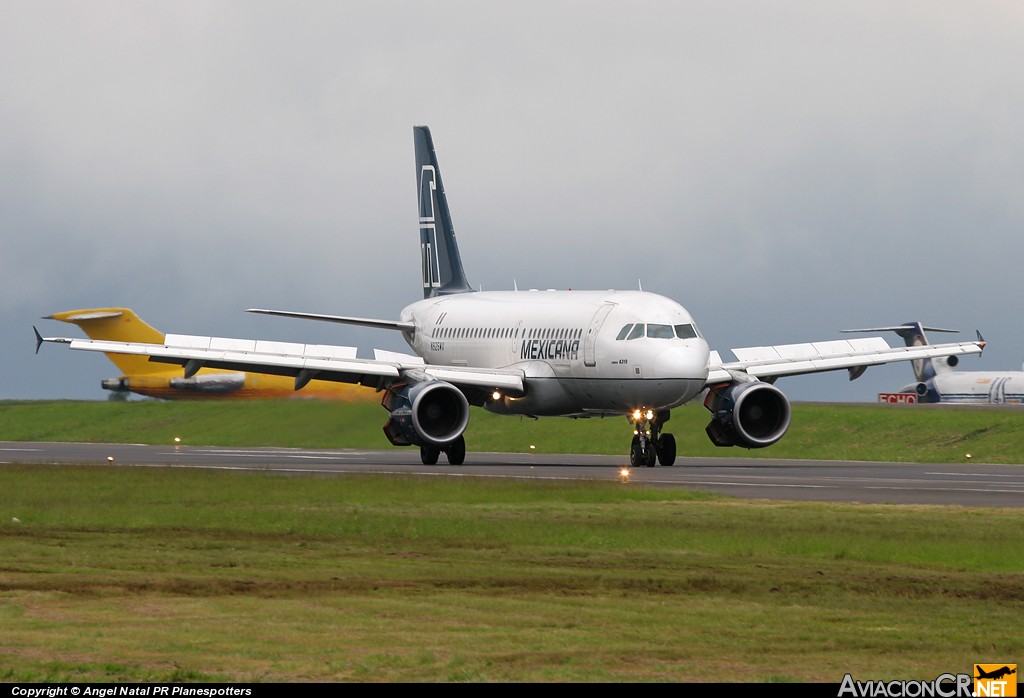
857	432
122	574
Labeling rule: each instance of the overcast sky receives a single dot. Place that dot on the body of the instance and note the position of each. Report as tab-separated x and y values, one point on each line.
782	169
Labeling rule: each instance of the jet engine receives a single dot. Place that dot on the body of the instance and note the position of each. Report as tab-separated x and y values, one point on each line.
429	413
752	415
926	391
210	383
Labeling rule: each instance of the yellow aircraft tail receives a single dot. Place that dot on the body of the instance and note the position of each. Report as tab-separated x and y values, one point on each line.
118	325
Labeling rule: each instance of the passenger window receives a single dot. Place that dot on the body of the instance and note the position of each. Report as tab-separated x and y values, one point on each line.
623	332
660	331
638	331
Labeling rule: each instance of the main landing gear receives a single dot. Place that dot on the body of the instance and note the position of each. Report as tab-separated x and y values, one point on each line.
456	452
649	444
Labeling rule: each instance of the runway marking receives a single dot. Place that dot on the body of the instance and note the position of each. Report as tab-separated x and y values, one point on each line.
979	474
945	489
287	453
738	484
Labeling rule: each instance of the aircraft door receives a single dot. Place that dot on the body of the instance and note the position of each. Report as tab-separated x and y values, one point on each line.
590	341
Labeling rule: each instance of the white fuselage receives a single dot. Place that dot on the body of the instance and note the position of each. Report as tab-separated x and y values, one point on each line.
977	387
581	352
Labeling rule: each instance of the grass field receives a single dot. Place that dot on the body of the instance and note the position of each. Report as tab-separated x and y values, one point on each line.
112	574
167	575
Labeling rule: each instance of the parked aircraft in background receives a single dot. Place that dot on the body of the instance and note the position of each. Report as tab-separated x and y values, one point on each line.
537	353
937	381
144	377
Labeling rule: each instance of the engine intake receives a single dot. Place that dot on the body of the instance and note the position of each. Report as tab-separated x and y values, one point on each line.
428	413
752	415
927	392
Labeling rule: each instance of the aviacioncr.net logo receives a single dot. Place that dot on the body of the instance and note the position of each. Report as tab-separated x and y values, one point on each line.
999	680
943	686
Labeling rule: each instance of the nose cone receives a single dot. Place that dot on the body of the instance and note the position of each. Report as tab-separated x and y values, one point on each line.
688	360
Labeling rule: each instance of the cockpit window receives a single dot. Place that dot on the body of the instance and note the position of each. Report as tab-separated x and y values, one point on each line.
660	332
652	331
686	332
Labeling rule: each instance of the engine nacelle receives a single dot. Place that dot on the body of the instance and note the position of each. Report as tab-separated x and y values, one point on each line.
926	391
118	385
428	413
210	383
752	415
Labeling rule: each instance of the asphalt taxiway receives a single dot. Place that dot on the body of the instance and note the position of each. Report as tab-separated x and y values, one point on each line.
965	484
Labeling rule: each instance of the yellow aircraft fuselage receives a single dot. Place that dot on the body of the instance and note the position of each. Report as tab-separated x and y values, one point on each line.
144	377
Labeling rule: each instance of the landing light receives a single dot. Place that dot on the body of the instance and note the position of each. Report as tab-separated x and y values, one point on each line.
495	395
637	414
650	415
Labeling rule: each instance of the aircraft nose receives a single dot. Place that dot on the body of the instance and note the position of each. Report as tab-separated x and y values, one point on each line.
687	361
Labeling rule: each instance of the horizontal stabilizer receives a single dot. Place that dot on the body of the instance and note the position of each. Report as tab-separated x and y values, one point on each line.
898	328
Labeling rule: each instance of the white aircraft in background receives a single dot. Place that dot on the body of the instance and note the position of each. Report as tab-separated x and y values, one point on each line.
937	381
537	353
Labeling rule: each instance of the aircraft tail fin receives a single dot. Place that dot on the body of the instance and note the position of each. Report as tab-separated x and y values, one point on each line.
442	265
118	325
913	334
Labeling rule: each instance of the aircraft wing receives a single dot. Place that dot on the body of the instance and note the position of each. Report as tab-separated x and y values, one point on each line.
301	361
852	354
360	321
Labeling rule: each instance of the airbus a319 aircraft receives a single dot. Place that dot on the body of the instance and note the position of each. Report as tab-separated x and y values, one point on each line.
537	353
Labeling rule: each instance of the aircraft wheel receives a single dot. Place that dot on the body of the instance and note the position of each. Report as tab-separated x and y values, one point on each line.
457	451
651	456
635	454
667	449
429	455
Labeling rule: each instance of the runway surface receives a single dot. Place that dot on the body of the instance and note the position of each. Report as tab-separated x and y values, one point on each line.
966	484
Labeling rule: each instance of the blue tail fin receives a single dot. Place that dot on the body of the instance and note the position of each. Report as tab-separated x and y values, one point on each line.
442	266
913	335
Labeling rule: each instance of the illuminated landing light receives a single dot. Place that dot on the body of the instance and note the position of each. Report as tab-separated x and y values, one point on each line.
495	395
637	414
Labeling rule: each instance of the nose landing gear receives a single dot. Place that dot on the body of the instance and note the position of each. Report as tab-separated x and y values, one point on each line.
649	444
